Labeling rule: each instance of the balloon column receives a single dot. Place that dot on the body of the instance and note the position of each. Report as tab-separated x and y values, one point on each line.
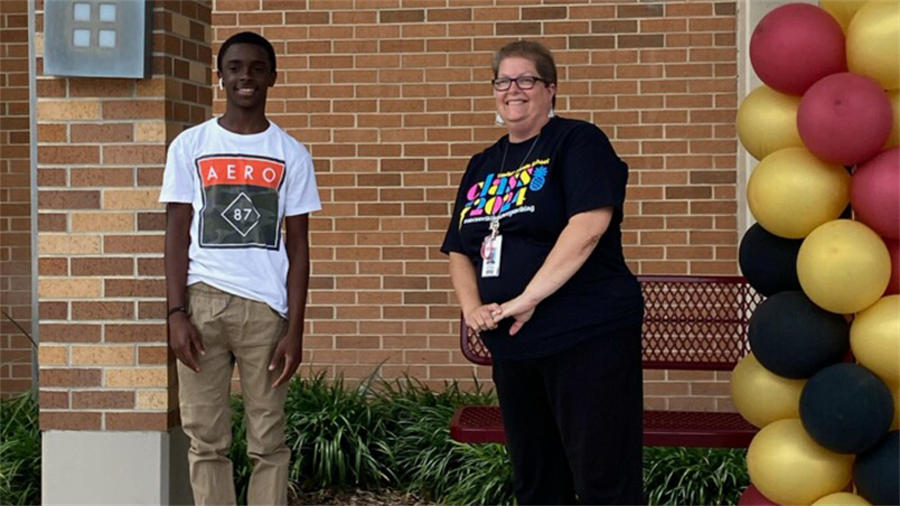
823	378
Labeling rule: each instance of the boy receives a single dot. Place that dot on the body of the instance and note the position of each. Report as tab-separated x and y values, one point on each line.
236	294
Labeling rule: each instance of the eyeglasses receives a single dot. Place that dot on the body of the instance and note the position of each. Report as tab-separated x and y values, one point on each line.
523	82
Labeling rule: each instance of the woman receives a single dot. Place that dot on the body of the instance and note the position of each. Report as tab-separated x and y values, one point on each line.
536	262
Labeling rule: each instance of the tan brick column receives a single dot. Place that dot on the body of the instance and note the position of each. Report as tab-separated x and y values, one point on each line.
107	383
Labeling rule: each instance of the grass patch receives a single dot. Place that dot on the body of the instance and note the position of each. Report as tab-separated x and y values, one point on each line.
20	451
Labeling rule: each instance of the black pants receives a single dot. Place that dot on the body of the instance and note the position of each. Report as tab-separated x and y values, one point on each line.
574	422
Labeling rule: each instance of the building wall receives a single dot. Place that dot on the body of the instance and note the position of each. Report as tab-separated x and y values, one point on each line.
392	97
15	201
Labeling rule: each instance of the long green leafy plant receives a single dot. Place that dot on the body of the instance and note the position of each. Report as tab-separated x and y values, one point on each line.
427	461
335	434
396	435
694	475
336	440
20	444
20	451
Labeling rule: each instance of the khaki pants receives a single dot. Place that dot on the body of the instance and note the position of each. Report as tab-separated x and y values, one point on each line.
238	330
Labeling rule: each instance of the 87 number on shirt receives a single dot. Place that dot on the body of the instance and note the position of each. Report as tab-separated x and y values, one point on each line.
240	205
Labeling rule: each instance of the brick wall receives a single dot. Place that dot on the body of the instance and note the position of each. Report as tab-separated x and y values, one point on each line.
15	200
392	98
102	145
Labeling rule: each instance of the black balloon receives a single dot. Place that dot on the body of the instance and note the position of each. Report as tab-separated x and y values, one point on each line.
848	211
846	408
769	262
794	338
876	471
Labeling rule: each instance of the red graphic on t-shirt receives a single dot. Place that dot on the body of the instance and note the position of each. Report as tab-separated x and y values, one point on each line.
241	170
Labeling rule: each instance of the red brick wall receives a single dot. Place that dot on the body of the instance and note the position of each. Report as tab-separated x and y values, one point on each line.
392	98
15	200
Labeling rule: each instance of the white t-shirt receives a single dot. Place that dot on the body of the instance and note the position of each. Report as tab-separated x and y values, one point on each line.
241	188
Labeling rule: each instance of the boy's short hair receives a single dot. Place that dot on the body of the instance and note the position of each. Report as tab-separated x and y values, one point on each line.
247	38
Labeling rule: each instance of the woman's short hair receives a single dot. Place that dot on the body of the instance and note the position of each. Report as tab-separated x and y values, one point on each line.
533	51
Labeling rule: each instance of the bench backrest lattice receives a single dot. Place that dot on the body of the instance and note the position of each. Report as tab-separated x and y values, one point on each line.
690	322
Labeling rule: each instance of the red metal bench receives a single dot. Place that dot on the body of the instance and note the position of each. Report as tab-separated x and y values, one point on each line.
690	323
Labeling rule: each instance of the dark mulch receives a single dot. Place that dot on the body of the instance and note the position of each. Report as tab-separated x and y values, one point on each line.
357	498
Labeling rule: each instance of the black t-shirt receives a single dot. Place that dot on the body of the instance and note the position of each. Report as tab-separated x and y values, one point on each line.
569	168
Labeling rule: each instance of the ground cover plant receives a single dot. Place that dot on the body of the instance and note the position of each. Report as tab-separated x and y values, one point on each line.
20	451
20	442
694	475
378	443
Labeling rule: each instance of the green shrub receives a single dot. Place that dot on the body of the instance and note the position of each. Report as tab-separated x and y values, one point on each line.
427	461
694	475
20	451
484	478
397	435
394	436
336	438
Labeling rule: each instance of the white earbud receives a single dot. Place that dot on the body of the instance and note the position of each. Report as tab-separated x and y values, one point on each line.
221	84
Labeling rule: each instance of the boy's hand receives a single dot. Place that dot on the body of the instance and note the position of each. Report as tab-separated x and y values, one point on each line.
288	354
185	340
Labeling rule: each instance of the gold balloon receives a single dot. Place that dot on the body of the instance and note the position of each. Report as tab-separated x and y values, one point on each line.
762	396
842	10
767	122
788	467
842	499
894	139
843	266
873	43
875	339
791	192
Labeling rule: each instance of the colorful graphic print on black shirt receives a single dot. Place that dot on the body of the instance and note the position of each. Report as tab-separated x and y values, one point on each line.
504	193
572	168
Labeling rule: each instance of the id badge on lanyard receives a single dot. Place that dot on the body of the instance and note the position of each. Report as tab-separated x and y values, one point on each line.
491	249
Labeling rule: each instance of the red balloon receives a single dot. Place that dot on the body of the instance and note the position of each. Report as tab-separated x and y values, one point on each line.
752	497
894	249
795	45
875	193
845	118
